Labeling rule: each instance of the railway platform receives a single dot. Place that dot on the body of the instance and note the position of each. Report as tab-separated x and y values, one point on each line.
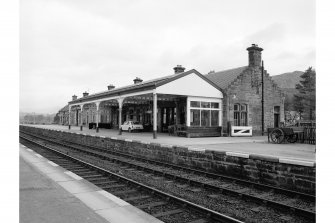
243	146
49	193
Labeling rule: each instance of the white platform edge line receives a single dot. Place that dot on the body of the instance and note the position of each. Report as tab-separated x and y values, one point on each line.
30	150
128	140
38	155
196	149
73	175
297	162
113	198
167	145
52	163
242	155
145	142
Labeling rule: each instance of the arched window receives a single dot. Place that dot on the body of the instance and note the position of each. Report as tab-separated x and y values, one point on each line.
240	115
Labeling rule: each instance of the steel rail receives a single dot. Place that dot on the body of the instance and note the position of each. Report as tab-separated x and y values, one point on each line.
274	204
210	213
292	193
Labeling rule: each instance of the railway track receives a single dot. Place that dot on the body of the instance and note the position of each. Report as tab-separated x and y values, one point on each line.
297	204
159	204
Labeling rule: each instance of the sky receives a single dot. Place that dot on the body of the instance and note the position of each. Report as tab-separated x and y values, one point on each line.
71	46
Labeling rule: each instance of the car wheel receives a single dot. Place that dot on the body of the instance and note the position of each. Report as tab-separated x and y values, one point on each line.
129	130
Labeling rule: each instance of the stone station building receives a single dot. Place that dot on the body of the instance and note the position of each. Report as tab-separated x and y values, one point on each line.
194	105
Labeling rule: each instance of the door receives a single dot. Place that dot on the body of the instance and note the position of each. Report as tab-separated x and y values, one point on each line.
276	115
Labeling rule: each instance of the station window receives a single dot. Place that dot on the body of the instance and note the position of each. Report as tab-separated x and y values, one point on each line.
276	115
240	115
204	113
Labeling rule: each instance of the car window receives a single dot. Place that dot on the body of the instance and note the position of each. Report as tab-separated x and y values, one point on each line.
125	123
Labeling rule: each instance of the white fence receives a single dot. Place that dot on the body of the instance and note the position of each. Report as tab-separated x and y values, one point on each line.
241	130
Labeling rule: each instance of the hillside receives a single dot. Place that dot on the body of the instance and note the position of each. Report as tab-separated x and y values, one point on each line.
287	80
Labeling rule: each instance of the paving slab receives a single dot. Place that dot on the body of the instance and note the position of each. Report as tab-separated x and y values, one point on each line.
51	194
44	201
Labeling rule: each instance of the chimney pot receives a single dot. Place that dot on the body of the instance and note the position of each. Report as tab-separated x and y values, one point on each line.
110	87
85	94
179	69
137	80
74	97
255	55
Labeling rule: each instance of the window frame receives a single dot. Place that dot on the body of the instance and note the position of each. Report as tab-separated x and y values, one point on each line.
238	121
202	108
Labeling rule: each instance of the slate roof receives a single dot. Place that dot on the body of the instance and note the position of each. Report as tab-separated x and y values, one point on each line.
225	77
140	86
64	109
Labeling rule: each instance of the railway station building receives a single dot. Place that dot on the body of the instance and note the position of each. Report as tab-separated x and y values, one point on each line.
186	103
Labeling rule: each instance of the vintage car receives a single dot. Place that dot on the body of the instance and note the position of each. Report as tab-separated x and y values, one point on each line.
131	126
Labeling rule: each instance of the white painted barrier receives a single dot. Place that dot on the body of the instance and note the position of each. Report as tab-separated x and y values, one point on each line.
241	130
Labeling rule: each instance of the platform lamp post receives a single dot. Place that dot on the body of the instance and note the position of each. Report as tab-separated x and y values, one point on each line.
262	97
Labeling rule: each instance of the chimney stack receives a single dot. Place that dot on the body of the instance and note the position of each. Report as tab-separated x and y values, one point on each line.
110	87
74	97
85	94
255	55
137	80
179	69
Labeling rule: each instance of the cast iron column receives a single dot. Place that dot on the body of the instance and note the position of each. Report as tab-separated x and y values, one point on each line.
81	117
120	101
154	113
69	117
97	116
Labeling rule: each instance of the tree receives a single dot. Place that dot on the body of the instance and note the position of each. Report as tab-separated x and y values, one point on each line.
304	101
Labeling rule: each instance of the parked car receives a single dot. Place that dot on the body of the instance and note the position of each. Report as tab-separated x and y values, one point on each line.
131	126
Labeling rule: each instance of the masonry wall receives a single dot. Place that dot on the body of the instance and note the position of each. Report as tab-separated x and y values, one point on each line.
252	167
247	89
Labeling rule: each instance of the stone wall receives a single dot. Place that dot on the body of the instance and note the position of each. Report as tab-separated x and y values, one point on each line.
247	89
261	169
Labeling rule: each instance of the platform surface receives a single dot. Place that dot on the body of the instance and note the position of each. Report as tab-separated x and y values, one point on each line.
247	145
51	194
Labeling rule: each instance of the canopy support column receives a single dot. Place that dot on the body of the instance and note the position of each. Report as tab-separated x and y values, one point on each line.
69	117
155	115
120	101
81	117
97	116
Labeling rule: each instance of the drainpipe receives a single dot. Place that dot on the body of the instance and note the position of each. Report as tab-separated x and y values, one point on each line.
262	97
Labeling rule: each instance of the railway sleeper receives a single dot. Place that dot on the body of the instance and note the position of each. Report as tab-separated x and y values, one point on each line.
123	192
151	205
136	198
172	212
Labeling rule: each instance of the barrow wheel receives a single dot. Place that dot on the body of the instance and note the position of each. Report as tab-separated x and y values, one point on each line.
277	136
292	138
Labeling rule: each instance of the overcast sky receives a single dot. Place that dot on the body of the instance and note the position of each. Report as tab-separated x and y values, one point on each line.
71	46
